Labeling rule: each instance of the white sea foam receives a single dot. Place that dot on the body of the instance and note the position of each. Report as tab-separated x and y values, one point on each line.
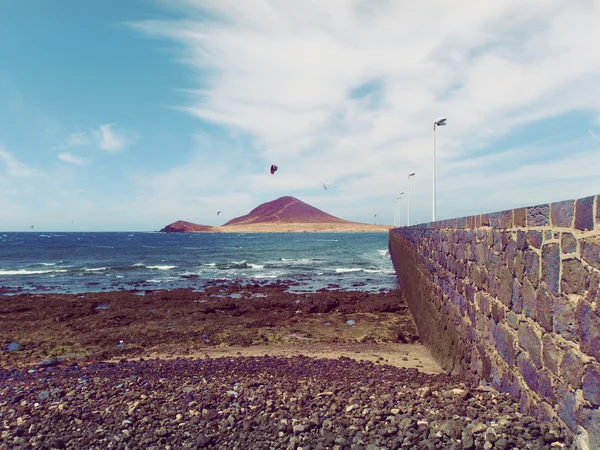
95	269
344	269
29	272
163	267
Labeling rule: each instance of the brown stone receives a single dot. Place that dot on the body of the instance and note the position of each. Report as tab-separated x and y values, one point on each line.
520	217
575	277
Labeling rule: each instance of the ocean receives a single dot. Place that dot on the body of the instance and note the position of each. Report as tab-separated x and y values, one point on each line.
35	262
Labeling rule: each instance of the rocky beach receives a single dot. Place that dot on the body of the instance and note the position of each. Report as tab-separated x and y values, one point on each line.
238	366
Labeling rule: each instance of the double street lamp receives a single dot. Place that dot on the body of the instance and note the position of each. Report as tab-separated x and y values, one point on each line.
397	209
440	122
411	174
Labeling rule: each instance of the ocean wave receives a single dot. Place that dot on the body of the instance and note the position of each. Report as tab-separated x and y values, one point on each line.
161	267
95	269
30	272
347	269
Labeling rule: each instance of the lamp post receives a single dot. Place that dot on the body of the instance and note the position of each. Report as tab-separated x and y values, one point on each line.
397	201
440	122
411	174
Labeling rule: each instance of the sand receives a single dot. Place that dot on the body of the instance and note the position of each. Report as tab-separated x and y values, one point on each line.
282	227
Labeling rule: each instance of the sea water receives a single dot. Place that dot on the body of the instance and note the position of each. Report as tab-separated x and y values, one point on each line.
92	262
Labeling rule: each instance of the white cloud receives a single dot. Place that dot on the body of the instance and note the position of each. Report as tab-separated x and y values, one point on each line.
284	73
74	140
72	159
14	167
110	140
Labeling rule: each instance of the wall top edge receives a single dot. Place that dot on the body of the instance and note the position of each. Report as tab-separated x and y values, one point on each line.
582	214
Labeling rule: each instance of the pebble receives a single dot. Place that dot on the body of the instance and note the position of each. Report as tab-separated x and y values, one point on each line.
281	403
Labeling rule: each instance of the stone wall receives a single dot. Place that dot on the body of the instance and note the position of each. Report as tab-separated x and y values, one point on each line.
512	299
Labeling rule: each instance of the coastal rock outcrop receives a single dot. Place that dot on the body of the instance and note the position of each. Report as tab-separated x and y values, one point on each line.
181	226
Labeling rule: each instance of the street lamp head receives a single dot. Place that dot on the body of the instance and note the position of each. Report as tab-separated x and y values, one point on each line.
411	174
440	121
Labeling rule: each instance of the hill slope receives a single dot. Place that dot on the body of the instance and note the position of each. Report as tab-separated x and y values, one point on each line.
285	210
181	226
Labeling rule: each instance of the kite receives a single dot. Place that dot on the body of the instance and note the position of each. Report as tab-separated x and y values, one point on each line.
326	185
273	168
218	213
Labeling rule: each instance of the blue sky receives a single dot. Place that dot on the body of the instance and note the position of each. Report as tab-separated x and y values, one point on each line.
122	115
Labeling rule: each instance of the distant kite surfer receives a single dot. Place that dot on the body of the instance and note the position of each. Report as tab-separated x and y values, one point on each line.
273	169
218	213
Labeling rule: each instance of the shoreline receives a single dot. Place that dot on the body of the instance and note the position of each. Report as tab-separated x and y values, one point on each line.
278	227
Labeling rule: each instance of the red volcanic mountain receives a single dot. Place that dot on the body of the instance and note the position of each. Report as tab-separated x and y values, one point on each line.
285	210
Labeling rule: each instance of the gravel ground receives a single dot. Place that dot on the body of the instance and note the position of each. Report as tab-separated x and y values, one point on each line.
261	402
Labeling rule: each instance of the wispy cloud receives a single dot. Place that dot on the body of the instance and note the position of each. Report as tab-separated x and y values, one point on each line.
109	139
594	135
72	159
14	167
347	91
74	140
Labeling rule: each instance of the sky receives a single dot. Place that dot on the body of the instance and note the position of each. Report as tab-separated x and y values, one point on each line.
127	115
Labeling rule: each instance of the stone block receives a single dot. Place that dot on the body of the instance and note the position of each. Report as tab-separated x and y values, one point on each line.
571	368
545	412
564	318
494	219
590	251
593	292
530	340
535	238
562	213
483	301
498	311
520	217
591	384
548	235
568	243
505	344
544	307
522	240
528	371
589	329
584	214
589	419
498	240
529	299
575	277
551	266
509	253
505	219
567	406
598	209
545	386
538	216
513	319
517	297
484	220
519	265
532	267
505	287
551	353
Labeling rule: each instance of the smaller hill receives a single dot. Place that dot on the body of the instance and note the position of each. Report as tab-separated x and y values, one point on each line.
285	210
181	226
